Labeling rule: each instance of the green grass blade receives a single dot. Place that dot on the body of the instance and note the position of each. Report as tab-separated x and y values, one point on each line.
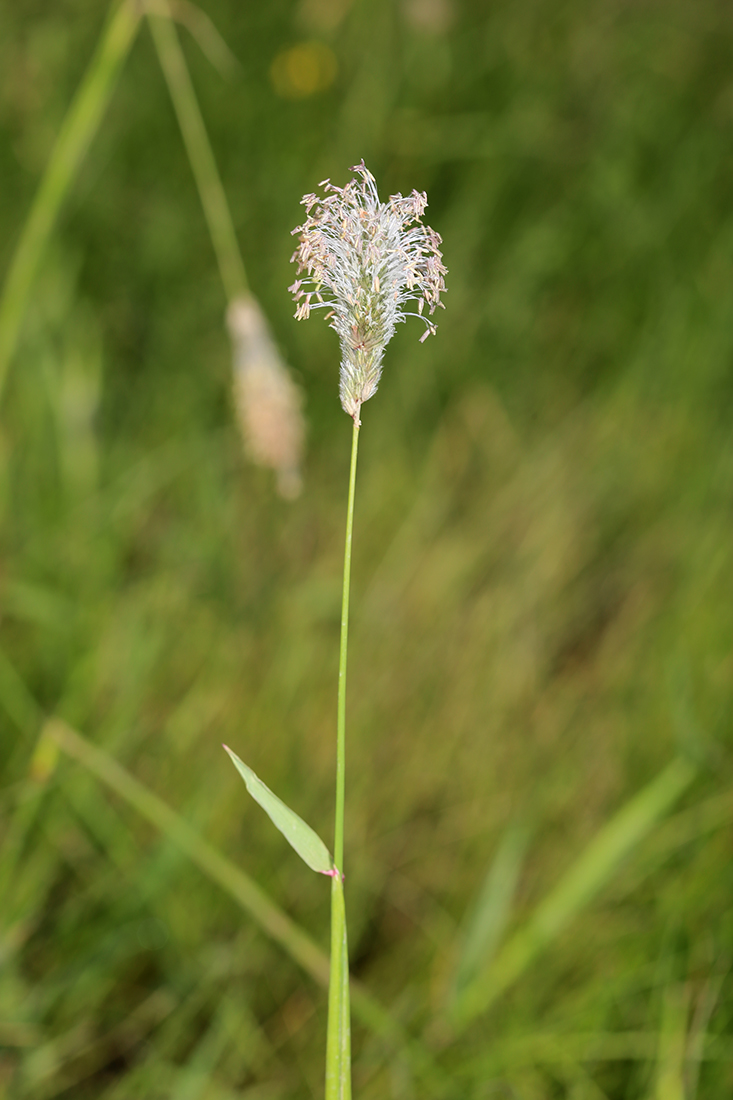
591	871
77	131
670	1071
492	911
41	768
298	834
698	1033
200	155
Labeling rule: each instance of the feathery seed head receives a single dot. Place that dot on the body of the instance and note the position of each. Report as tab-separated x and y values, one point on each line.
365	260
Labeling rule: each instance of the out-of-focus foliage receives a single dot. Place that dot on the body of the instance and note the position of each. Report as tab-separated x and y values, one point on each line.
542	576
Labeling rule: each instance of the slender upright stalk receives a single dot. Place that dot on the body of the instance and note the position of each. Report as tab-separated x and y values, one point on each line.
338	842
338	1048
78	128
208	181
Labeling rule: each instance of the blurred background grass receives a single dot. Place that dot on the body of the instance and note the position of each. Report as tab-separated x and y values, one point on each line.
542	581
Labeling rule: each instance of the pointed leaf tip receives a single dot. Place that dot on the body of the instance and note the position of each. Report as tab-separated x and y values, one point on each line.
298	834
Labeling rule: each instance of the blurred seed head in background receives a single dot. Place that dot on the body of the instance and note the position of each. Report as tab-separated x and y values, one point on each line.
267	402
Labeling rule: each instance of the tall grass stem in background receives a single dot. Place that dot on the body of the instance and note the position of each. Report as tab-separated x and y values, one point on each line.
200	154
267	402
77	131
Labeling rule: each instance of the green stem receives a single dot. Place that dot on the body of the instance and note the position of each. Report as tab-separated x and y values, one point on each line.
338	843
338	1045
78	128
208	181
338	1048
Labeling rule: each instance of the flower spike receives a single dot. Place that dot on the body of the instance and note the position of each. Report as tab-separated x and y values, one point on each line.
365	260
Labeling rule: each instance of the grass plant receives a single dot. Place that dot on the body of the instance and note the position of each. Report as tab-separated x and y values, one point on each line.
363	260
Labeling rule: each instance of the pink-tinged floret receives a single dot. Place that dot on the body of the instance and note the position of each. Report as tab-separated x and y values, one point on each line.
365	260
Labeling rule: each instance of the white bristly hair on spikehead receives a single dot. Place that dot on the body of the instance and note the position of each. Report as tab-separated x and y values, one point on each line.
365	260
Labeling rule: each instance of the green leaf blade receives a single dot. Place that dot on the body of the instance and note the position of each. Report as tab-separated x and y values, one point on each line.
298	834
593	868
492	909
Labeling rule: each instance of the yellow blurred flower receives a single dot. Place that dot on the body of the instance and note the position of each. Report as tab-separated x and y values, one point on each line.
303	70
